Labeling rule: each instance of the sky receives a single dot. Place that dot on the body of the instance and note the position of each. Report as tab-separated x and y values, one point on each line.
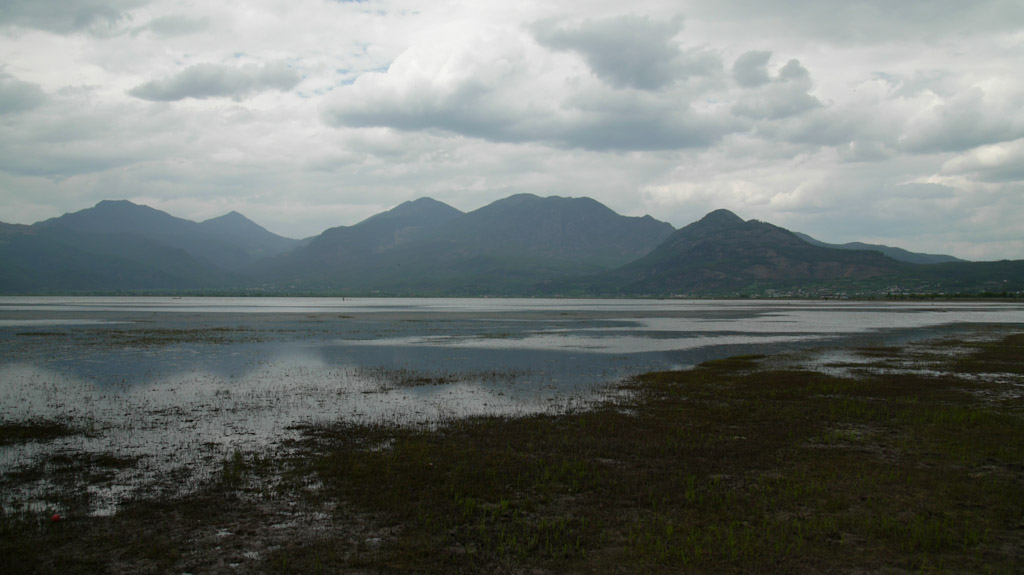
899	123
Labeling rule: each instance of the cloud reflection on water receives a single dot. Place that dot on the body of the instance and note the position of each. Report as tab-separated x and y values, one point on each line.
148	380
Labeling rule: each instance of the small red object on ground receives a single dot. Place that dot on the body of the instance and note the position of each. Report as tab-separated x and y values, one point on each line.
56	517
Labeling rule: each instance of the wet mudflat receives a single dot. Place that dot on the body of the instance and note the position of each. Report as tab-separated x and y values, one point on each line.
893	451
173	386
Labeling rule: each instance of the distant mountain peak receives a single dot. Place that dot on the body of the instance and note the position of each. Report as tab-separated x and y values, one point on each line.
424	203
107	203
554	204
524	196
721	252
722	217
236	229
230	217
425	208
110	216
118	207
425	200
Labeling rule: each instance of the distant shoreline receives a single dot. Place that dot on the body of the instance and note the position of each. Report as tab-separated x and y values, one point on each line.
231	294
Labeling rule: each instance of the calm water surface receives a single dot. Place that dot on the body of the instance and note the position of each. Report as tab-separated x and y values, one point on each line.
180	382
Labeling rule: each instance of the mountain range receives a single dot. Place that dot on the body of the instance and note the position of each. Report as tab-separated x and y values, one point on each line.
523	245
894	253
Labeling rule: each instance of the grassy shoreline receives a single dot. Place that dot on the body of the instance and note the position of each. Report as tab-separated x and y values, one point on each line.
738	465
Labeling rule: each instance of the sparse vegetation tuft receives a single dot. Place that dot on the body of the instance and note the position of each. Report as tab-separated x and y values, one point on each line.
12	432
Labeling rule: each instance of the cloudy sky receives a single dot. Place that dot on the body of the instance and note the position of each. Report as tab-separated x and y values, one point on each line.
891	122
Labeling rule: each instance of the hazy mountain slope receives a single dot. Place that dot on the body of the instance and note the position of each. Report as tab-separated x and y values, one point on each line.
521	245
235	229
426	247
119	216
344	253
122	216
721	252
58	259
515	244
578	229
118	245
972	277
898	254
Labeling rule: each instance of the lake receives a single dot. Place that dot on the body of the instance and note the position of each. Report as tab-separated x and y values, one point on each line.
178	384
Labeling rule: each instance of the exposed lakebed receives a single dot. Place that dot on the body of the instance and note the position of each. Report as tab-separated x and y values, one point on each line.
160	391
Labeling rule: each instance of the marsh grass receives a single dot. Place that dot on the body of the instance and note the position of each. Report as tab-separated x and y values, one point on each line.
722	468
68	479
405	378
145	337
13	432
1004	356
729	467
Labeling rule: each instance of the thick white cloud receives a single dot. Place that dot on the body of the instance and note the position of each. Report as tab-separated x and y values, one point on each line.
501	87
867	120
995	163
963	121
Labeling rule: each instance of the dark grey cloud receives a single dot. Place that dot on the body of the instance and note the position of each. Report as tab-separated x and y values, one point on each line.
58	165
783	96
827	127
793	71
18	96
602	122
867	21
751	69
175	25
630	51
1005	173
218	81
72	133
67	16
463	112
